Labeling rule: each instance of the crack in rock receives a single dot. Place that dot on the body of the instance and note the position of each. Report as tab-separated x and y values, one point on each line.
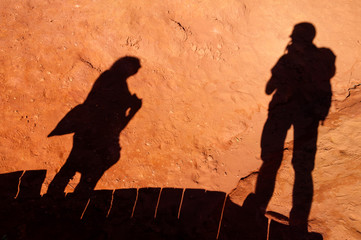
352	88
90	64
181	27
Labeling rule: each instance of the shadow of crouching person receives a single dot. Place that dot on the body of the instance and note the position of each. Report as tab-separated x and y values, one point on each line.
96	125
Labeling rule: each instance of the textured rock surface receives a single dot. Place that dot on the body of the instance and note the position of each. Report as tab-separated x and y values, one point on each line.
205	66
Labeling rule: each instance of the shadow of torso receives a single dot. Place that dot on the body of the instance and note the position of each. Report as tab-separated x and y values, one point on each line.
97	124
301	79
102	117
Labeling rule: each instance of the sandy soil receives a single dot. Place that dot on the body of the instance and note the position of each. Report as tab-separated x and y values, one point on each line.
204	69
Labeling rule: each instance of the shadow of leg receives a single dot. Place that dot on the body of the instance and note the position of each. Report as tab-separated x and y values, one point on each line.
57	186
266	181
272	143
303	164
87	183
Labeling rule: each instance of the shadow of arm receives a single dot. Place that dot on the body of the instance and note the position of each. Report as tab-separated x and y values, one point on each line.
135	105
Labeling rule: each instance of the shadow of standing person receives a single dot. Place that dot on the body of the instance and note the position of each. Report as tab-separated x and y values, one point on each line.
96	125
302	98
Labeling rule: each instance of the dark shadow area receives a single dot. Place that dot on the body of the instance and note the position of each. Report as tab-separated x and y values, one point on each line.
146	213
302	97
96	125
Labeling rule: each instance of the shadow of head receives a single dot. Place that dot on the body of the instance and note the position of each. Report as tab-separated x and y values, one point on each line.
126	66
303	33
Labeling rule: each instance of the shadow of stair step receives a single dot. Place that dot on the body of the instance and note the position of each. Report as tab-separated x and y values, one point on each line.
9	185
201	212
31	183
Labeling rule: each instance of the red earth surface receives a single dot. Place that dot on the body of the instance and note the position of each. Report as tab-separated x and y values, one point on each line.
205	65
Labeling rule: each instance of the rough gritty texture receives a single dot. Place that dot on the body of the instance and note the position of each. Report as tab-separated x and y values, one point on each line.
205	66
